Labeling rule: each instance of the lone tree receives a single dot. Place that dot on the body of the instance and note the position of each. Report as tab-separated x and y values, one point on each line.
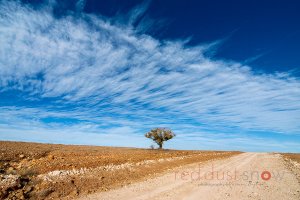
159	135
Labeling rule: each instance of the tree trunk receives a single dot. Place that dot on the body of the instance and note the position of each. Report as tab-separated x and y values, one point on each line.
160	145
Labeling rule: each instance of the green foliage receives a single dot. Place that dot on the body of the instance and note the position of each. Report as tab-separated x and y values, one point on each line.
159	135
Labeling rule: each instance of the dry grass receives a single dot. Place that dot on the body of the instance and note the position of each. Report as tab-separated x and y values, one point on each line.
292	156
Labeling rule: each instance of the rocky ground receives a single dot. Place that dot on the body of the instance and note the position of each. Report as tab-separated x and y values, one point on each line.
292	162
47	171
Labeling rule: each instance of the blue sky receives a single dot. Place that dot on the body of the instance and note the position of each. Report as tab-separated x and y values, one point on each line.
223	76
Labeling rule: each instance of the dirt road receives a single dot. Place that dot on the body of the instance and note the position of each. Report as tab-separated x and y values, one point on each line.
245	176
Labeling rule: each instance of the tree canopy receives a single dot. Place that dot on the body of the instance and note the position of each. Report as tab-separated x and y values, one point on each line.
159	135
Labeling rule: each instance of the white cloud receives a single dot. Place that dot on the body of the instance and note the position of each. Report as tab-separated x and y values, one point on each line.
111	72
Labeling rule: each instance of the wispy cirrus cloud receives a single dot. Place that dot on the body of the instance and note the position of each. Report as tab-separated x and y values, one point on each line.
105	72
